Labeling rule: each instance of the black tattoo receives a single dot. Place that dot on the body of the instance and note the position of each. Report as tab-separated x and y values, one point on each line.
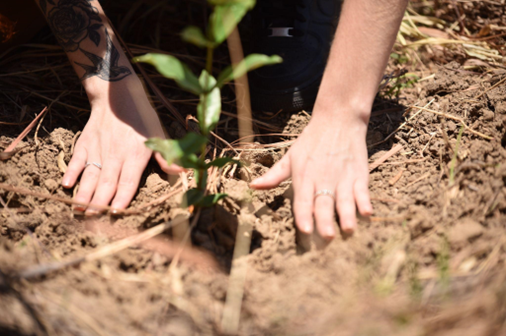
72	21
105	68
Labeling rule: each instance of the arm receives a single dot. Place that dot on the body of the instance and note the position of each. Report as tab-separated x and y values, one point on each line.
331	153
121	116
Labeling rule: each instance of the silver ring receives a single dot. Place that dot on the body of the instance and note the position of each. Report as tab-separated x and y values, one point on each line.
325	192
98	165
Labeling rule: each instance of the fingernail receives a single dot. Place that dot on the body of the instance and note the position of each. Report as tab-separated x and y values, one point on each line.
348	229
307	228
91	212
115	211
330	234
78	207
65	183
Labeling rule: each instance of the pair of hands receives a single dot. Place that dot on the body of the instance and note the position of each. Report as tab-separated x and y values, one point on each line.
328	155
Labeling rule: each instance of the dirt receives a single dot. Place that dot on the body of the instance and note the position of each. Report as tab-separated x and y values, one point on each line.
430	261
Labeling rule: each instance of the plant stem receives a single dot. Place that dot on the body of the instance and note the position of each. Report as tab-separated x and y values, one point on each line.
209	69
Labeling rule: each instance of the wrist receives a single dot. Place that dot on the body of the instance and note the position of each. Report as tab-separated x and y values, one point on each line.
341	101
100	91
339	109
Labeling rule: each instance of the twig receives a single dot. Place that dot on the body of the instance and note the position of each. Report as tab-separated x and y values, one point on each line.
397	177
235	291
107	250
418	180
48	196
226	142
396	163
385	157
131	211
9	150
490	88
449	116
241	87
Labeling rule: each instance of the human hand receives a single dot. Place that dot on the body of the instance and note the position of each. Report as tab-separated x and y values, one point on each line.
114	138
328	155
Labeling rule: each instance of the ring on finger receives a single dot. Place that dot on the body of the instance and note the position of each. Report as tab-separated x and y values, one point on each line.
325	192
96	164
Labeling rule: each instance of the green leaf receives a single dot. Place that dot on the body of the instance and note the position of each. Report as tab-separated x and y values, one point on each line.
196	197
210	200
209	107
193	196
173	150
192	161
194	35
250	62
172	68
226	17
248	3
220	162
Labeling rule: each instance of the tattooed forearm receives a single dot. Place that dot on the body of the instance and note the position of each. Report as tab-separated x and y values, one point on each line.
73	22
106	68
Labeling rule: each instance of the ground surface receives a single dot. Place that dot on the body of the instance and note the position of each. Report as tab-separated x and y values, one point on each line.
431	261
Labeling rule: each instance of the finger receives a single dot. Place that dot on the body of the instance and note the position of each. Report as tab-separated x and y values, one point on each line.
346	208
89	181
303	205
173	169
75	167
127	186
362	198
277	174
107	184
324	214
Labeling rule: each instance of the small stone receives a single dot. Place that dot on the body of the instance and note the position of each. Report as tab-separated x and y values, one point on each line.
500	107
451	126
488	115
51	184
465	230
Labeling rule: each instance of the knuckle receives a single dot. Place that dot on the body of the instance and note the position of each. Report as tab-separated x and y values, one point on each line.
128	183
107	181
91	174
345	200
324	217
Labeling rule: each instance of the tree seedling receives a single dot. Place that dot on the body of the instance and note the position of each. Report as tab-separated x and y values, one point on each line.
223	20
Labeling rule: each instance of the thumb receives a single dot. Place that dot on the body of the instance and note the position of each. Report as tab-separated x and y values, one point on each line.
277	174
173	169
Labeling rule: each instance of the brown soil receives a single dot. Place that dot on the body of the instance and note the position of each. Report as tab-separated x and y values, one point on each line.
431	261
